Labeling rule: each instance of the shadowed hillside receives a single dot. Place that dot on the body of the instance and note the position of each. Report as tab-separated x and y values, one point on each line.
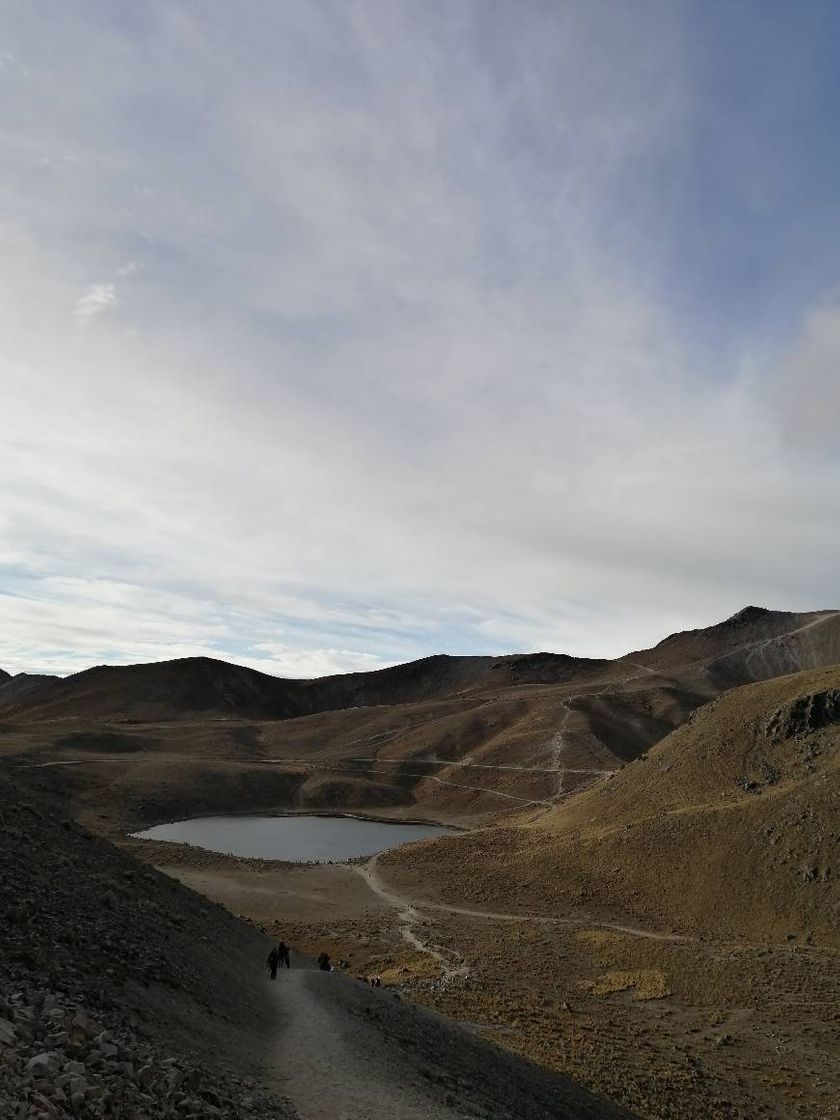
204	686
118	988
24	688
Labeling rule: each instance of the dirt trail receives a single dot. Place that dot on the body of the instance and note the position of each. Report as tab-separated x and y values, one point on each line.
409	917
350	1052
556	745
331	1070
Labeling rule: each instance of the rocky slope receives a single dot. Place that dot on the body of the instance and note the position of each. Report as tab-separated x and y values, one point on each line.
121	994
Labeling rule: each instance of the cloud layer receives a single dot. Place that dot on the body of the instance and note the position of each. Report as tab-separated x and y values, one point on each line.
333	335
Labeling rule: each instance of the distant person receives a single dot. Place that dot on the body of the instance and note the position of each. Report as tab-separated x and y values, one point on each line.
324	962
285	955
273	961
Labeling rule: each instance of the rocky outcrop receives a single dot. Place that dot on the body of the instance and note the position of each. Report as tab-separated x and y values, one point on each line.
805	714
58	1059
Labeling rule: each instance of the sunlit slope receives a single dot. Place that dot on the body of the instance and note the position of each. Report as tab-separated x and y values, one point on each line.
730	826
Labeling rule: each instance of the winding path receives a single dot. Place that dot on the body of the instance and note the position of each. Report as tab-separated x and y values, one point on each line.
409	914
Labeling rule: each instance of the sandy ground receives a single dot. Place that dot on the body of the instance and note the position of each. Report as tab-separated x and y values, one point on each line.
306	894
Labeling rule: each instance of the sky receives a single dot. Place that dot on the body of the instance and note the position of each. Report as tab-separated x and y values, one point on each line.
338	334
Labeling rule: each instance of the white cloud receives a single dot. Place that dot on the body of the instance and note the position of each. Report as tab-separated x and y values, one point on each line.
96	300
290	661
401	376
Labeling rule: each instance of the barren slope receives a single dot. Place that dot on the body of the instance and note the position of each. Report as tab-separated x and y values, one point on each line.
453	738
192	686
728	827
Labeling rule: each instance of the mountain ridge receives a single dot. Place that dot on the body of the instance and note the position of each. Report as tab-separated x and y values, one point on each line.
191	685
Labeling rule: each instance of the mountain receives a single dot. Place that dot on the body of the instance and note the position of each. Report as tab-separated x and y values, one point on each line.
726	828
671	933
753	644
23	687
161	690
668	818
461	738
190	686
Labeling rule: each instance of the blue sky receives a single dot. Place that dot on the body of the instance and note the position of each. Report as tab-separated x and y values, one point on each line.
337	334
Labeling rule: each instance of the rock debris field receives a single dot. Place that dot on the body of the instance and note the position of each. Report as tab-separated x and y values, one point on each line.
112	1003
58	1061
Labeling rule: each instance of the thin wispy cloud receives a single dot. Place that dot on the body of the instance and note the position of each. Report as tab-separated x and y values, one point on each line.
93	303
445	327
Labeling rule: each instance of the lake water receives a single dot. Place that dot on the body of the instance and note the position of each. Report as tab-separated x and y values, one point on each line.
297	839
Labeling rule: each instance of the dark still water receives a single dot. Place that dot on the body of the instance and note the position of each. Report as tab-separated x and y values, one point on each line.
298	839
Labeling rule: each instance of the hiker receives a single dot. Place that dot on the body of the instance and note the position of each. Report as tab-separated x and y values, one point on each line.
273	961
324	962
285	955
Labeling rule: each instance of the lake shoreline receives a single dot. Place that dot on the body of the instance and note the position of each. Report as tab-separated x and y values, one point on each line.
314	842
338	814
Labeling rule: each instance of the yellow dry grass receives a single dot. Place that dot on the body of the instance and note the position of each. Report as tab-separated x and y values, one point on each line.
646	983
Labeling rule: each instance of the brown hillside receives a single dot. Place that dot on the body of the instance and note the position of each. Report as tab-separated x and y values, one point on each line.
728	827
454	738
24	688
753	644
164	690
203	685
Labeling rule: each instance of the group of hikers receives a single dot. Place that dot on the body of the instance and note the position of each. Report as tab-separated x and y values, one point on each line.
281	957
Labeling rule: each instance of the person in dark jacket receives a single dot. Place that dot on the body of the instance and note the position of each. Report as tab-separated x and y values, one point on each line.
285	954
272	962
324	962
